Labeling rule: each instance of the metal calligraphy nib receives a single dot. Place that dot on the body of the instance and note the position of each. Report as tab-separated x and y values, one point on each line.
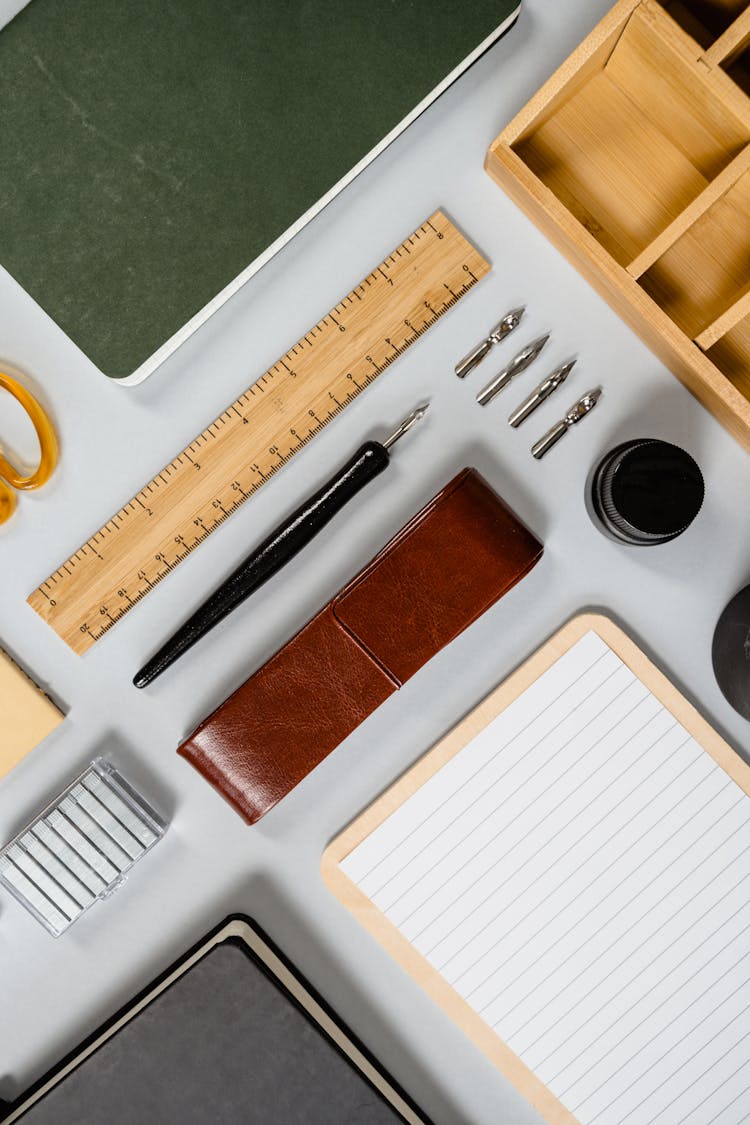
518	364
502	329
540	393
578	411
410	420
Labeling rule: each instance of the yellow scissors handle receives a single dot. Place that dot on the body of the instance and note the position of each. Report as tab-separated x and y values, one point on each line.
47	445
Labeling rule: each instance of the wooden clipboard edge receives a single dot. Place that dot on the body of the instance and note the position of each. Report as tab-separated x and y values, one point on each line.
672	698
389	937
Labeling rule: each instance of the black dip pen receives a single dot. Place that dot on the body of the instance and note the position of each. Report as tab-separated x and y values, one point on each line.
281	545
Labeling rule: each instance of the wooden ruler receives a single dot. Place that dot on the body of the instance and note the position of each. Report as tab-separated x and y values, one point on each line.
262	429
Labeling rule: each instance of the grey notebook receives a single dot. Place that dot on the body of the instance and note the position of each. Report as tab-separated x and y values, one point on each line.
230	1034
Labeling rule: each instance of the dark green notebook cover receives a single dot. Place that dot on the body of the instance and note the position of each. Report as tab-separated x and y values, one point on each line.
152	149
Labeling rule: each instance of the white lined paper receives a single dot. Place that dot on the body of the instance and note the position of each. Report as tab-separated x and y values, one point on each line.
580	874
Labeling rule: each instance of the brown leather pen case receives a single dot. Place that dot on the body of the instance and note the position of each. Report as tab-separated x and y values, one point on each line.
449	564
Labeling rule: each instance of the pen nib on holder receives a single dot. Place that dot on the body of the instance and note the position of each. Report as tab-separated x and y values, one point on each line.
284	542
406	425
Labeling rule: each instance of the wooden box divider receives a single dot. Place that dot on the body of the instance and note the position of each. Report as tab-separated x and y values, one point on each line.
634	158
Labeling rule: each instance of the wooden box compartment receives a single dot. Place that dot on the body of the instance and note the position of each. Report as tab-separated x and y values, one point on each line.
736	53
739	70
705	20
635	160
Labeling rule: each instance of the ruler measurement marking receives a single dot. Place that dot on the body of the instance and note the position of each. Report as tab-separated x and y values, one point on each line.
227	463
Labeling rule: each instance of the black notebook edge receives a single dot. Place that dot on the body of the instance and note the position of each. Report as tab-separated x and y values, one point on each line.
241	931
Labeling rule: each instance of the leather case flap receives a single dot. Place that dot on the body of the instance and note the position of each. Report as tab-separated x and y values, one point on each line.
441	572
288	716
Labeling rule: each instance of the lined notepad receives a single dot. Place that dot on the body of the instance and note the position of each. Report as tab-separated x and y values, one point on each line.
579	874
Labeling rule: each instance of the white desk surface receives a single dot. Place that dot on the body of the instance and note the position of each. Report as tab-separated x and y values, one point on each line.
53	993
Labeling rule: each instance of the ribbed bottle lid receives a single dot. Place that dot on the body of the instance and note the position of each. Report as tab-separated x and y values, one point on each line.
647	491
730	652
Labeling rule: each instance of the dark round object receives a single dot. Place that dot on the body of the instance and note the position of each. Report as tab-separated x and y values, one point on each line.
731	652
647	491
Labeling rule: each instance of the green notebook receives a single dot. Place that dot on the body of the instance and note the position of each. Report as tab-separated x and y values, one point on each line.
155	153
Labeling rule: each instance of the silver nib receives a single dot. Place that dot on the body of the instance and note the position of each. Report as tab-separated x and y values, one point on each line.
582	407
540	393
505	326
496	335
578	411
410	420
518	364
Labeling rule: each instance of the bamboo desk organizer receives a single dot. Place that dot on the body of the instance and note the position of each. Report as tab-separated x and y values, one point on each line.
634	158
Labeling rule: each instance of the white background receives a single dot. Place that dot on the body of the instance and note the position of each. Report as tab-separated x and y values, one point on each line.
52	993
